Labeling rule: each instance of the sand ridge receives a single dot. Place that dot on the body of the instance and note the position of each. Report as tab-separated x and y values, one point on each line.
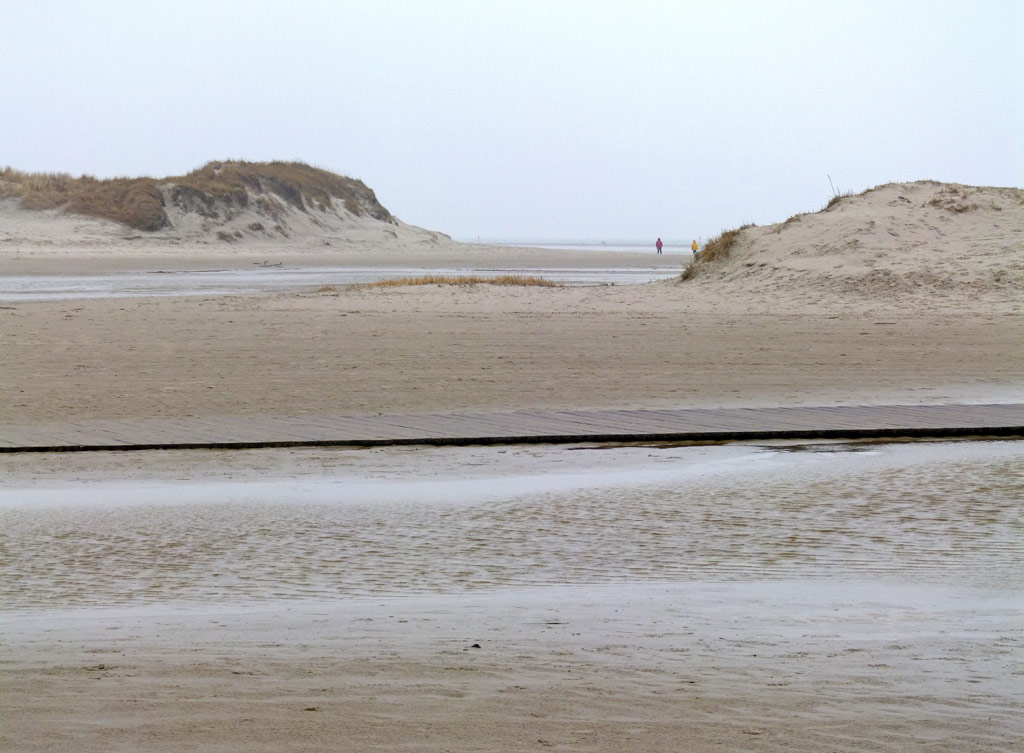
900	240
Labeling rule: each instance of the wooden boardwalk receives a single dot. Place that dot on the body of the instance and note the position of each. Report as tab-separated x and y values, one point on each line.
685	425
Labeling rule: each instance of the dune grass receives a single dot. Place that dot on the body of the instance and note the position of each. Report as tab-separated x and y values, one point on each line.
139	203
953	198
135	202
36	190
715	250
504	280
836	199
302	186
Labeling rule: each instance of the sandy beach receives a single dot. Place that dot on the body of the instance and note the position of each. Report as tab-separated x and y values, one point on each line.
768	598
450	349
855	305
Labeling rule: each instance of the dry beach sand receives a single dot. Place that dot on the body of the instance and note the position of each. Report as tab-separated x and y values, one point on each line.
497	599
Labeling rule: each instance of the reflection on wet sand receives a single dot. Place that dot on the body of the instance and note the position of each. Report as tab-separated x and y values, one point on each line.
489	599
273	278
918	513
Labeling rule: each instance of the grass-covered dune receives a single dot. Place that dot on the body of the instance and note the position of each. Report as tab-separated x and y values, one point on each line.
214	192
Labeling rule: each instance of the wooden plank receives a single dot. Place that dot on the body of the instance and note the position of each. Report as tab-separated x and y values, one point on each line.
772	418
537	424
589	422
515	424
812	419
554	424
607	422
425	425
715	420
479	427
647	421
452	428
383	427
15	436
350	427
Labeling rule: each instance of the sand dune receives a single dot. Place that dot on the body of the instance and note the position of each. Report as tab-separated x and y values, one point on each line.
901	239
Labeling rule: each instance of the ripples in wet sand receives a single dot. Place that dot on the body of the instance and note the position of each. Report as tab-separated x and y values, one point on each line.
938	512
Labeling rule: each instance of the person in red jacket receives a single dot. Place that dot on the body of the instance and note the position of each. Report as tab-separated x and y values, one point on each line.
658	245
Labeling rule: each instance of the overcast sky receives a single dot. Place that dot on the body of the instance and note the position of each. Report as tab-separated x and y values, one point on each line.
520	119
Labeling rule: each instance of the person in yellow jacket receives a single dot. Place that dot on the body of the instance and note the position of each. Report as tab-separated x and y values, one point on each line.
694	246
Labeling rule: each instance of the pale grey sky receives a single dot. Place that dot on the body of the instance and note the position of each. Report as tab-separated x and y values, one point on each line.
523	118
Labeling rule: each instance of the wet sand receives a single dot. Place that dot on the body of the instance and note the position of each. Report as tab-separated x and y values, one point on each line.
258	279
830	597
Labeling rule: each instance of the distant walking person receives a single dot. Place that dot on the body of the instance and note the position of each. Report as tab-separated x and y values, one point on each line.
658	245
694	246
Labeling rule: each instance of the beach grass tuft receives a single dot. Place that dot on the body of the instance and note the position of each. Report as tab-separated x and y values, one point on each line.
503	280
836	199
953	198
714	251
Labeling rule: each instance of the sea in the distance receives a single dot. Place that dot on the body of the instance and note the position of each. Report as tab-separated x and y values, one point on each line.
634	246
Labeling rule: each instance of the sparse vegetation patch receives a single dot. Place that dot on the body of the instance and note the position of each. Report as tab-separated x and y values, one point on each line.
836	199
715	250
953	199
521	280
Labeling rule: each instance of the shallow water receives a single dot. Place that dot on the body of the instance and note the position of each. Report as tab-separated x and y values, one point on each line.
927	513
616	246
269	279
